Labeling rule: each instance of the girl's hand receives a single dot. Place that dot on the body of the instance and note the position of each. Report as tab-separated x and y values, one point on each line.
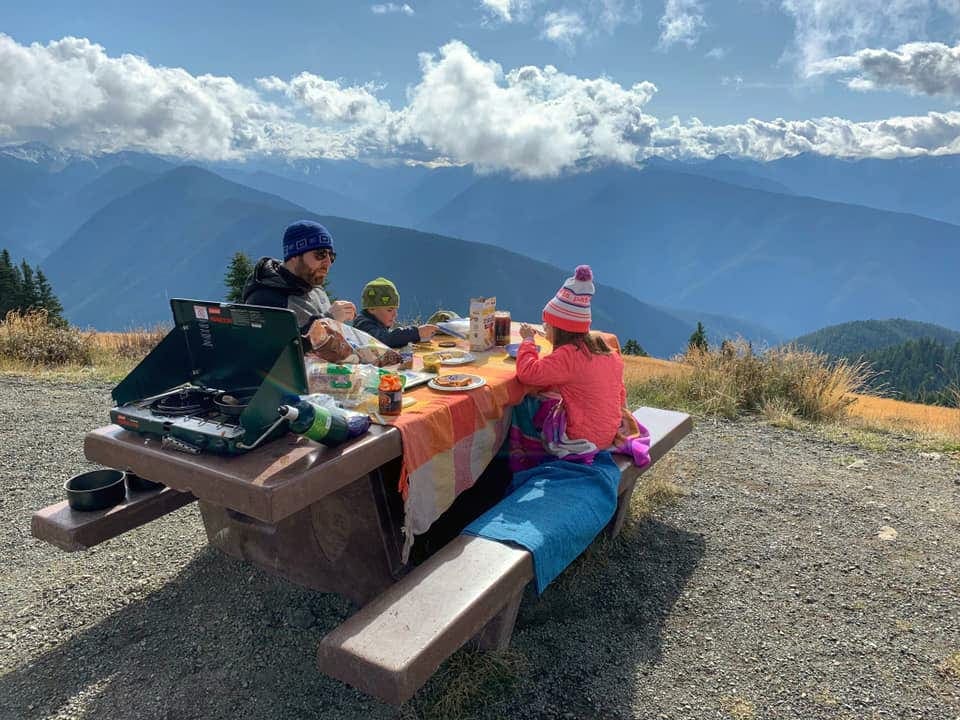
527	332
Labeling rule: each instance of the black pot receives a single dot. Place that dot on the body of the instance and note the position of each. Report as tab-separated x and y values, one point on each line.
135	483
95	490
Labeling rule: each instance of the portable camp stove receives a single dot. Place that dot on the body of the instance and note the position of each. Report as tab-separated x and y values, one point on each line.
214	383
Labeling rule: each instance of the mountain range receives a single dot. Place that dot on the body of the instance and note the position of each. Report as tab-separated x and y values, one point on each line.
161	253
768	250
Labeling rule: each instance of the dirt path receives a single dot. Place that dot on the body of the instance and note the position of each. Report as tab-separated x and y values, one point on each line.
798	578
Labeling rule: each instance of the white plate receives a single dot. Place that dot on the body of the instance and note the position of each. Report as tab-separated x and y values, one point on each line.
475	382
467	358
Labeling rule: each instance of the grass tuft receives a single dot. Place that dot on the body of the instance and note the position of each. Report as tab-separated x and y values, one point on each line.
468	680
950	667
734	380
28	339
738	708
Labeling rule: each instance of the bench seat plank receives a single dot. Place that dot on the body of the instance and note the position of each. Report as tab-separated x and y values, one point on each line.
72	530
392	646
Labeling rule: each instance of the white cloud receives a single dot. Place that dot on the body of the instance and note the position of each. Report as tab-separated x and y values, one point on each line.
682	22
826	29
385	8
931	134
509	10
717	53
925	68
563	27
577	20
531	121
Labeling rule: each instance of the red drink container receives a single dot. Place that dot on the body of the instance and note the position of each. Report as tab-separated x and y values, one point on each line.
501	328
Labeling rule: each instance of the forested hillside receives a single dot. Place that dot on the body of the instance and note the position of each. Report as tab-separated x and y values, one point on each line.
852	339
919	370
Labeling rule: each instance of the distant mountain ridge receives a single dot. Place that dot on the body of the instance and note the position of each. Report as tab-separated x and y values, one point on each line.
860	337
174	236
787	262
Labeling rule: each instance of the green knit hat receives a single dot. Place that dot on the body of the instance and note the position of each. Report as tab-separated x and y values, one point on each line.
380	293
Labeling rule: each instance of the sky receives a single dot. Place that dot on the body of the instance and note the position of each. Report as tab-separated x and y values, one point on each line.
533	87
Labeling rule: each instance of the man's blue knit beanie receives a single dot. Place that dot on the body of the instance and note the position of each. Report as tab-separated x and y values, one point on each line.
305	235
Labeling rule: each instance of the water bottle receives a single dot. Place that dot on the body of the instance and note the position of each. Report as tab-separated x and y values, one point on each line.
316	422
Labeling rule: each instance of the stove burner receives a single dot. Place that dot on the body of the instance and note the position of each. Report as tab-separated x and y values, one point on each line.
187	401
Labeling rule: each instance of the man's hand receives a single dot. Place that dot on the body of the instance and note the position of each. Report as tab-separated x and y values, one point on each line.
427	331
527	331
343	311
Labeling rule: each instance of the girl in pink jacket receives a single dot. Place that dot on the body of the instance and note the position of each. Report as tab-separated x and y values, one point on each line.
582	369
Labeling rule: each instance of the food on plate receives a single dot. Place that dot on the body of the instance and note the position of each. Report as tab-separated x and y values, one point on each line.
447	344
453	380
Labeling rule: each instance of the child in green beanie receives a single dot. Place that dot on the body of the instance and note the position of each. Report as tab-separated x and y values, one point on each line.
379	304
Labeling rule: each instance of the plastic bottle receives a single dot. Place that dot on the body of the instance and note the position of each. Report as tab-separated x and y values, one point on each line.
316	422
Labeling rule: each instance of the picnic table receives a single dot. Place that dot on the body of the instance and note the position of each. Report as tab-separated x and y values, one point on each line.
331	519
343	520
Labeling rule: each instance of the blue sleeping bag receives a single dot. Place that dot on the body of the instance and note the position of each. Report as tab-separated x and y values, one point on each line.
554	510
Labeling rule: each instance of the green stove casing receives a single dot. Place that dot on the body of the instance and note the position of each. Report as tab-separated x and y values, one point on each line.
219	346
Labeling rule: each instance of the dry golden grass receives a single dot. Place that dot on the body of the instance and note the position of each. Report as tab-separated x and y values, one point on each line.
909	418
640	369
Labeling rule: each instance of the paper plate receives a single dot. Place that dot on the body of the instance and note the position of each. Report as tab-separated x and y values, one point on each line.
461	357
512	349
475	382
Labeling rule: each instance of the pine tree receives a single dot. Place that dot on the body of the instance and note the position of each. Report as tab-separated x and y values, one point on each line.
28	290
698	340
239	270
632	347
10	285
48	301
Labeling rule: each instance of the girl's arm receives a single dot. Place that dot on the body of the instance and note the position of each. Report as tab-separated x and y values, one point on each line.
554	369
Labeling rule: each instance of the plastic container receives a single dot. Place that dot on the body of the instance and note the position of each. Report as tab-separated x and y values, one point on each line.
391	395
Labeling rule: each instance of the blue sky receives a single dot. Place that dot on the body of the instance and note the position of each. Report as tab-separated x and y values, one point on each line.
714	63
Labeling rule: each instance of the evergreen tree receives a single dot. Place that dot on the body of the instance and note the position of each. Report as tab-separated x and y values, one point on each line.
698	340
239	270
632	347
47	300
23	288
28	290
10	285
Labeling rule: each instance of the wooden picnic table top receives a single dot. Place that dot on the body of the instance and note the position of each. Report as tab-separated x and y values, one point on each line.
268	483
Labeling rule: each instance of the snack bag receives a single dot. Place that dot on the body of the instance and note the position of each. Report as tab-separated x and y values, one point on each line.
481	333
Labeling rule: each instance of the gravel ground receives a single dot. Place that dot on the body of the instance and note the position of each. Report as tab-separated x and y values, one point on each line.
798	578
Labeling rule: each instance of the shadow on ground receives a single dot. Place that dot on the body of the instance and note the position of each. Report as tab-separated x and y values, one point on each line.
598	626
223	639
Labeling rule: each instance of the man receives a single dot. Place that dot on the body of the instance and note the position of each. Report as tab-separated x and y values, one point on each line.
296	283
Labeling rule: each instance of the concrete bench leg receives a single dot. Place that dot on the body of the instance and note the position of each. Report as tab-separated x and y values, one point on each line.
623	507
496	634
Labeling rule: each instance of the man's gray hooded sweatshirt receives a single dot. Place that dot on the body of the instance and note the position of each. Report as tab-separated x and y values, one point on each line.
273	285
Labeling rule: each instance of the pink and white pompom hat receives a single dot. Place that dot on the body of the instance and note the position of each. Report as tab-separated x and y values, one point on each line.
569	309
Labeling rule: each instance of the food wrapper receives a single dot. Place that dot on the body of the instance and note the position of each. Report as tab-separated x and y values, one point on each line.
481	332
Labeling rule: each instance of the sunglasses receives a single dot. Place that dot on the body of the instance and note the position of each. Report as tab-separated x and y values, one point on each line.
325	254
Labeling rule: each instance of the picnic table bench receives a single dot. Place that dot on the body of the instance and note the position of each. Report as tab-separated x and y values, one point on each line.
470	589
